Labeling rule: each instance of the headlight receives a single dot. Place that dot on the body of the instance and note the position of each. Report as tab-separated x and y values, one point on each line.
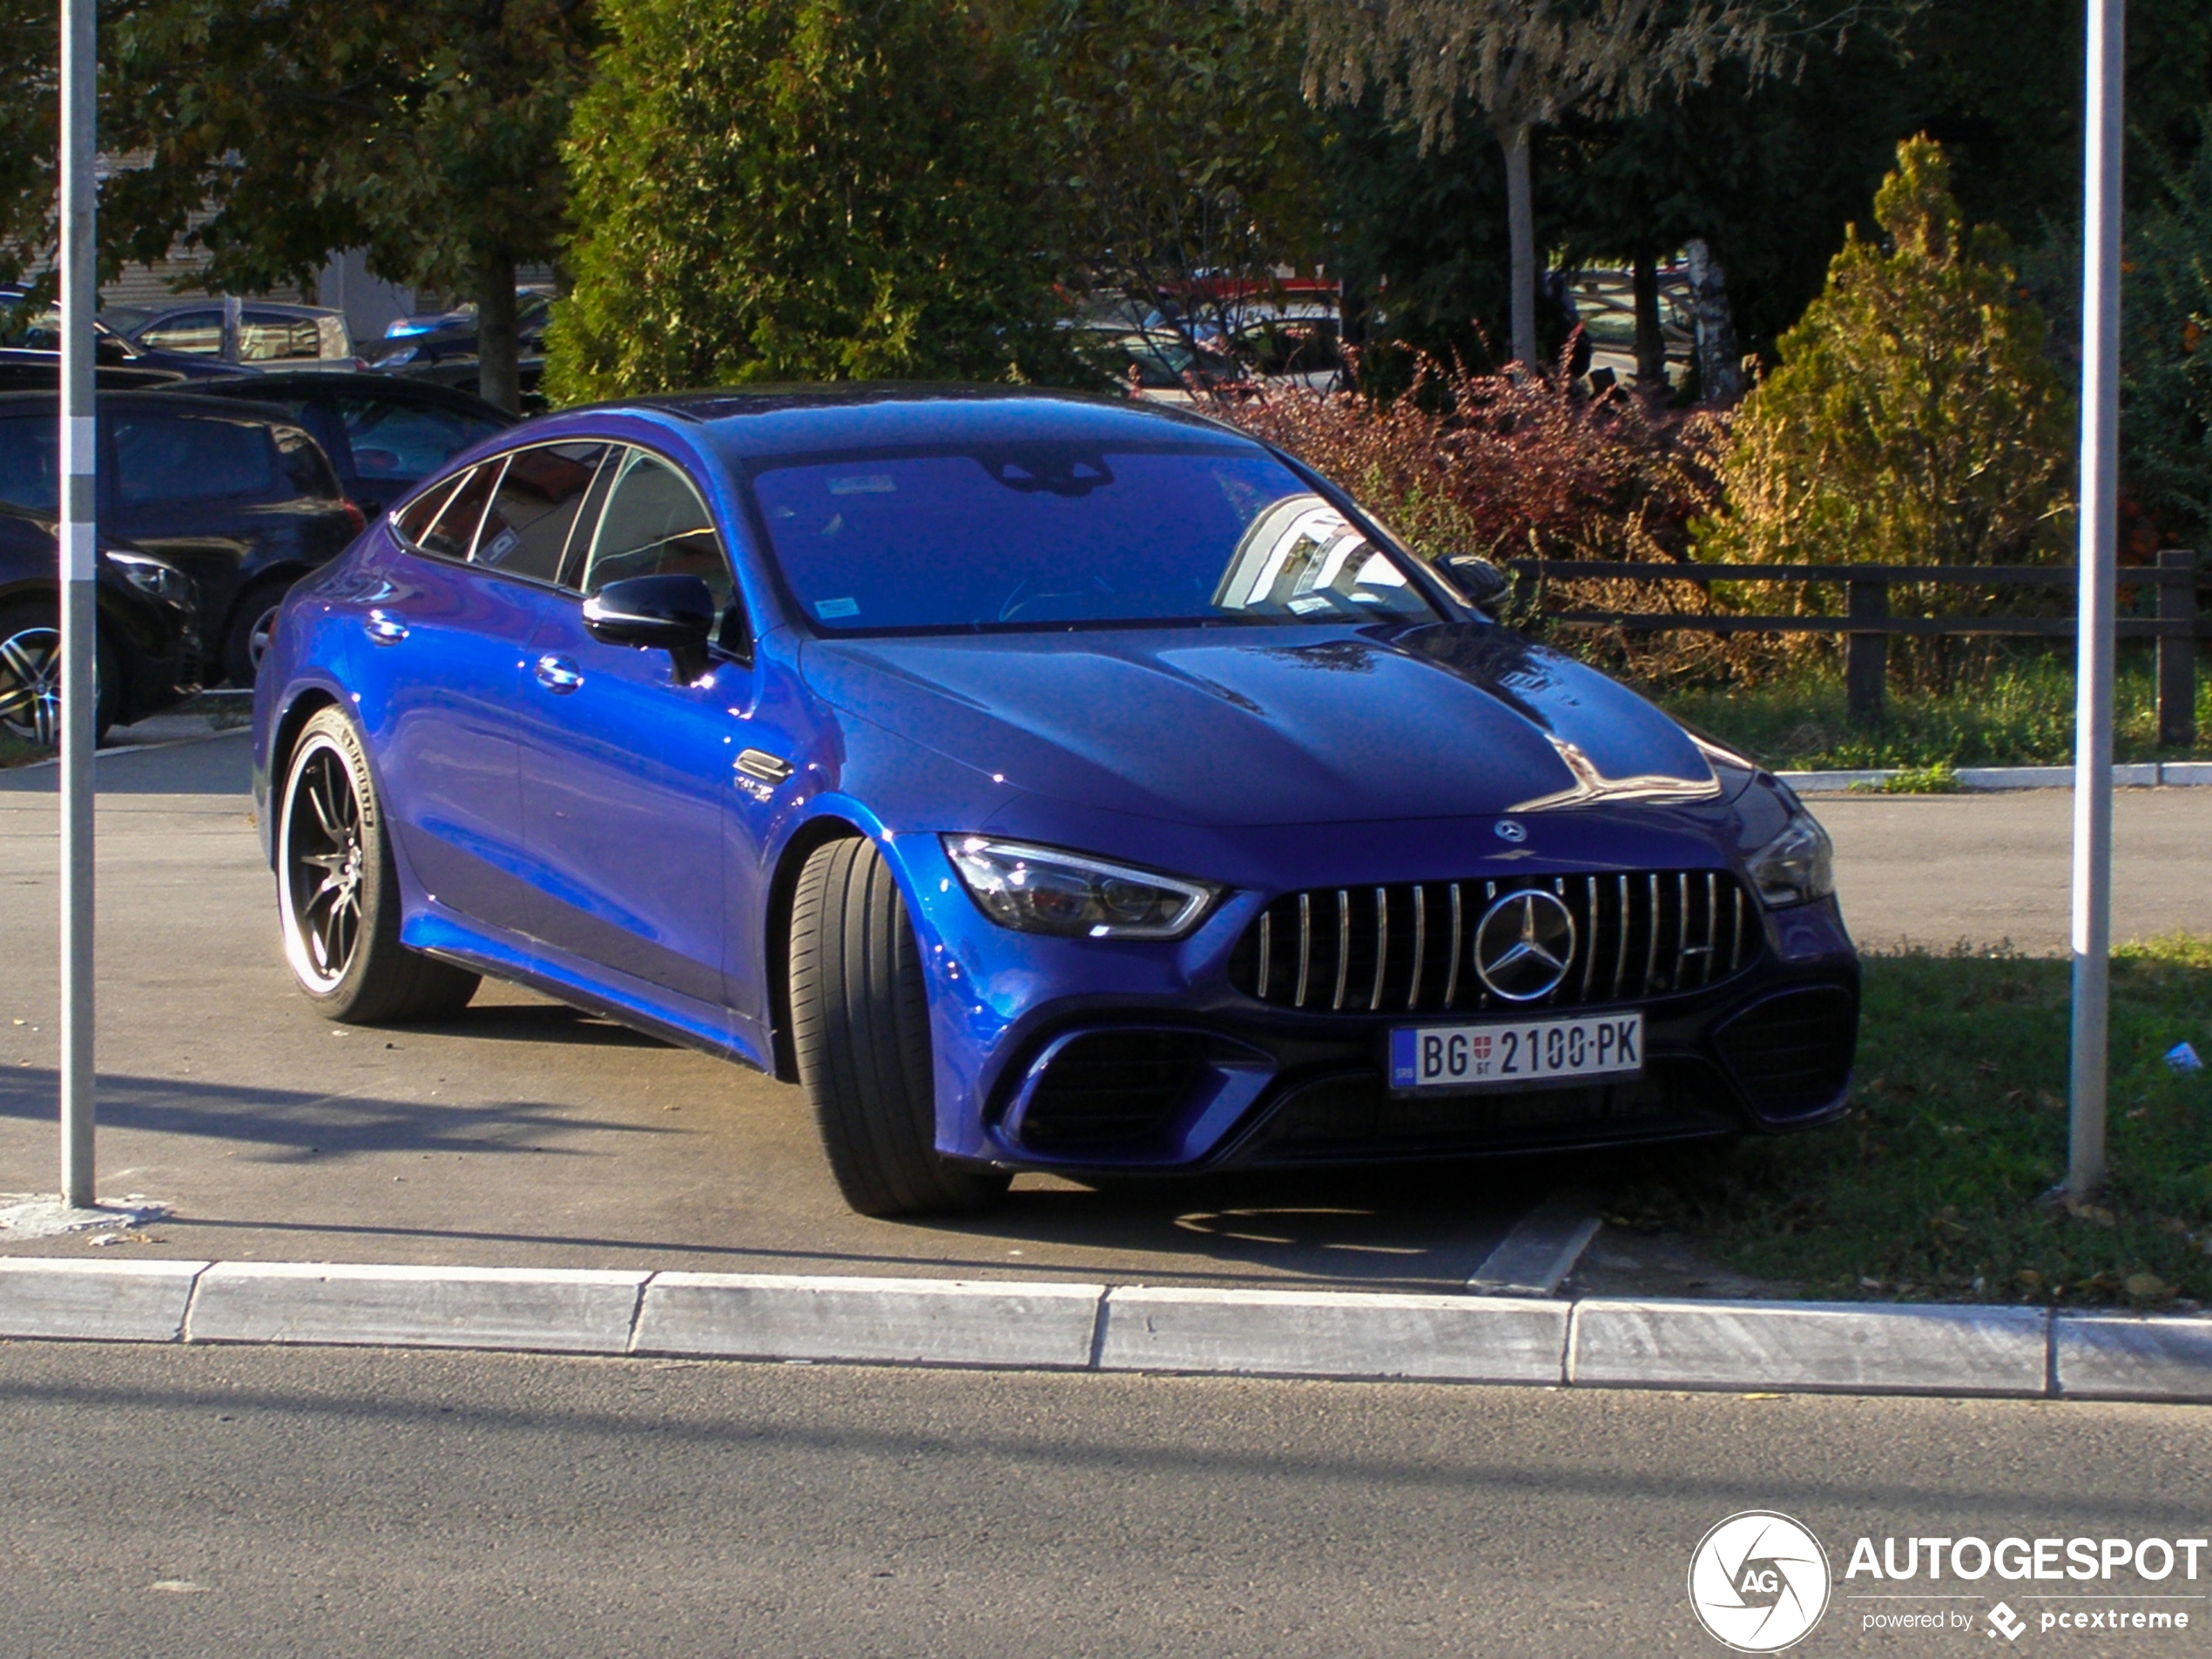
1797	865
153	578
1041	890
399	358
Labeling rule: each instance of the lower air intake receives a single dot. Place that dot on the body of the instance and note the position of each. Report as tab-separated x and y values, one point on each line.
1792	1053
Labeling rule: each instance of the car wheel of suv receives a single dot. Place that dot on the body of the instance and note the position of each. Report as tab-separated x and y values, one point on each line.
30	677
859	1019
247	636
338	892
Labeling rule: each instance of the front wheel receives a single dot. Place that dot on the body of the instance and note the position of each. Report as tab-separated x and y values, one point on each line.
247	640
860	1019
31	676
338	892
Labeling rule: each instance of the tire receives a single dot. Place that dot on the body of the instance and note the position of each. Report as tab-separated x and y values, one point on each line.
337	893
859	1018
248	635
30	643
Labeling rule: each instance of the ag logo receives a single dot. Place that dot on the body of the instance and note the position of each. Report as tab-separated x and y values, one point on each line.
1758	1581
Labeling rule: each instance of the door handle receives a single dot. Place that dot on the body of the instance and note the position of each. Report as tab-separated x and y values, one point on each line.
558	674
384	628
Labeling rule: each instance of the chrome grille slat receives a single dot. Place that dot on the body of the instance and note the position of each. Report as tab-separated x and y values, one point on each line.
1590	951
1304	946
1266	952
1712	923
1620	950
1343	943
1451	980
1382	946
1651	932
1420	946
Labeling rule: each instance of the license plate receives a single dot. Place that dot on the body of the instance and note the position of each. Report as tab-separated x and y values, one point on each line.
1462	1056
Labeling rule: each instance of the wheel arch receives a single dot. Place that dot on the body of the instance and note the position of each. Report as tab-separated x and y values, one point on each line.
311	701
809	839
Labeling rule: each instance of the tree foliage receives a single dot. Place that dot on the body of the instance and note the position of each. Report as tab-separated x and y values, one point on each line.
1183	154
803	189
1914	418
2166	412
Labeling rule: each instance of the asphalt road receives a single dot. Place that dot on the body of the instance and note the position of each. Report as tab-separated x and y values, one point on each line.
526	1133
238	1502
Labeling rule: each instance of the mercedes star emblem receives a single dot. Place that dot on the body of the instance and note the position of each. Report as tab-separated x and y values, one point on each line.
1524	944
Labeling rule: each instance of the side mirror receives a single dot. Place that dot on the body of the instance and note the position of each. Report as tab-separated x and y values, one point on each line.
670	613
1484	585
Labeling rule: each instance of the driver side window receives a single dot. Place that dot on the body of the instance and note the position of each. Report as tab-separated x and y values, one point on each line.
655	524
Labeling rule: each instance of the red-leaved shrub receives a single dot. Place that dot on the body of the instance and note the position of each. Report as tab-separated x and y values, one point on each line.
1516	467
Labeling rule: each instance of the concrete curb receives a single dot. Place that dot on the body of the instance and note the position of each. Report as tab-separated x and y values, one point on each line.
1593	1342
2149	774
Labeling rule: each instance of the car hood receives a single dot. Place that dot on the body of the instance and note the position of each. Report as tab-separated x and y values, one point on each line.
1250	726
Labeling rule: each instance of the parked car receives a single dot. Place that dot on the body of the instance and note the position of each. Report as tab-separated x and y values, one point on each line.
239	332
23	370
1045	783
239	494
435	337
31	352
147	638
383	433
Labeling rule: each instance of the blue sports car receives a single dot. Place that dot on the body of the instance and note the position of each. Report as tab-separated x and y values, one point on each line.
1042	782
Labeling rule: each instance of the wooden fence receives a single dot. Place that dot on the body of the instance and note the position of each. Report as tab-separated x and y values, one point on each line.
1867	625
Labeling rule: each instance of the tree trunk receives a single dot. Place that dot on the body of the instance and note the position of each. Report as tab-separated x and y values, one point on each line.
1520	222
1651	340
1720	367
498	379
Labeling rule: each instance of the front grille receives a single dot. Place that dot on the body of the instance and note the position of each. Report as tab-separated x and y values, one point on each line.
1409	948
1792	1053
1111	1089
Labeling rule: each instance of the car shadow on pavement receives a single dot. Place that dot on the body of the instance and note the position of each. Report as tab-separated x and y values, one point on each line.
295	1124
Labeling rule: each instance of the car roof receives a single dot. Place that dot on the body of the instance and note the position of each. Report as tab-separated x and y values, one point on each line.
752	422
297	382
215	301
161	401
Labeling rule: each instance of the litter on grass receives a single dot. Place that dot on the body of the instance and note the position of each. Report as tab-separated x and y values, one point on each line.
2183	1057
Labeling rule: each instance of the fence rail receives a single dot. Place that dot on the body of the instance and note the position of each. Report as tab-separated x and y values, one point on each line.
1867	625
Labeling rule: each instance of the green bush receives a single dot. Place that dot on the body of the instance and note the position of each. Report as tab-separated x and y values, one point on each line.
778	190
1914	418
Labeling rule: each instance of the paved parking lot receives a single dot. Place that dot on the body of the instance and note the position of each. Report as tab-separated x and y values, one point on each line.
526	1133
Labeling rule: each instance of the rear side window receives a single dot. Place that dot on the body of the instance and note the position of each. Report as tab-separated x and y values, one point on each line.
526	530
199	333
422	511
455	531
391	439
306	468
180	458
270	337
31	462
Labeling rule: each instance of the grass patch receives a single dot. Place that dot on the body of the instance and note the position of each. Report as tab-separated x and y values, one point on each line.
14	752
1939	779
1932	1186
2021	716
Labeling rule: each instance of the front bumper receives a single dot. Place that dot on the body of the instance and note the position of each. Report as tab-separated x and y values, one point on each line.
1087	1056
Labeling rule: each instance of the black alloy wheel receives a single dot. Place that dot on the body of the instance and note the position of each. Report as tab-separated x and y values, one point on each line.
338	892
30	677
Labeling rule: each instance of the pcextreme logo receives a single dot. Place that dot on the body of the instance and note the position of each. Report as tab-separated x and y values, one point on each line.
1759	1581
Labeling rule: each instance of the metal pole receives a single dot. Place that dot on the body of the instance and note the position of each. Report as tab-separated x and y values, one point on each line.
2101	132
79	448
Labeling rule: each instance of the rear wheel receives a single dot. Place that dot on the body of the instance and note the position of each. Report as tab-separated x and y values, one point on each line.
31	676
860	1033
247	637
337	893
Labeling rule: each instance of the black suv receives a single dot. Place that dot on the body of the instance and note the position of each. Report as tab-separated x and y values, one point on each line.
238	494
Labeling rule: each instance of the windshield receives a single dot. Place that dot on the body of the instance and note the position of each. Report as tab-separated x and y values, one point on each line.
1040	534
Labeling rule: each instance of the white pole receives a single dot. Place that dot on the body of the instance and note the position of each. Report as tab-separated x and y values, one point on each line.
80	298
2101	131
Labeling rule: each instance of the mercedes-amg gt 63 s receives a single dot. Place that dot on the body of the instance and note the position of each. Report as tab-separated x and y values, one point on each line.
1044	783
